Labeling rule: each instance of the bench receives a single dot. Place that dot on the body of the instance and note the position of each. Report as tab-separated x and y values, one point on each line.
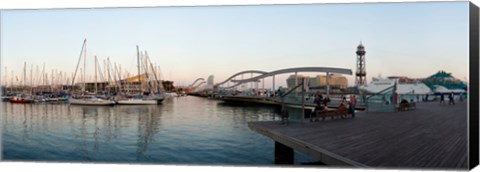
404	106
413	105
342	112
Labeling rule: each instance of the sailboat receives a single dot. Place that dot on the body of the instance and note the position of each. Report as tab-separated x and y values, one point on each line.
136	100
91	101
158	96
22	97
140	99
87	99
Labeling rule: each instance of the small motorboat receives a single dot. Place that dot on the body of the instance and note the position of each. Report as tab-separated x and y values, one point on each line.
19	99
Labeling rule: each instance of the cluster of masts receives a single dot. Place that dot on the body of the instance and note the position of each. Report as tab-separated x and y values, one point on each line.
146	85
112	74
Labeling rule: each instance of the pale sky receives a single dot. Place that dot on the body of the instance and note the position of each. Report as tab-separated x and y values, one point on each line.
401	39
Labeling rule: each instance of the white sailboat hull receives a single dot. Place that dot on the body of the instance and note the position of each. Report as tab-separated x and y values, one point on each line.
137	102
91	102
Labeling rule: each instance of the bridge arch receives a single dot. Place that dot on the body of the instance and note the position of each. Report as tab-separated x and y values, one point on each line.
240	73
292	70
194	82
298	69
198	85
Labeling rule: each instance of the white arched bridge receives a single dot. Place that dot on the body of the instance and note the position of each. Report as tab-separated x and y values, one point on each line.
197	83
241	73
227	94
299	69
264	74
194	82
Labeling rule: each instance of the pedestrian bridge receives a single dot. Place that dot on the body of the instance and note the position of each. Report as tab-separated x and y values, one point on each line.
194	82
240	73
263	74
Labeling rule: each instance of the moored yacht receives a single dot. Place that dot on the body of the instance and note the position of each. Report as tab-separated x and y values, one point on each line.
95	101
141	100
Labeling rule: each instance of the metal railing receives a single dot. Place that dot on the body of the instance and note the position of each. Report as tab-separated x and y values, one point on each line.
381	101
284	112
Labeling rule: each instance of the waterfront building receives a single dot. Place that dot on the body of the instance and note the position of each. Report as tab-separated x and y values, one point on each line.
47	89
66	88
336	81
134	84
130	85
100	86
294	80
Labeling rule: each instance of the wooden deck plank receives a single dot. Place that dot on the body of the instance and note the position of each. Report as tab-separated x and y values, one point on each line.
431	136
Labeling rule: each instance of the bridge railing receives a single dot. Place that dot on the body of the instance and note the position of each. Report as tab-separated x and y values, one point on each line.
382	101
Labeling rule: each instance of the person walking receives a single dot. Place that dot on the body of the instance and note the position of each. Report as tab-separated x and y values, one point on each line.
318	99
326	100
442	98
352	103
318	102
450	99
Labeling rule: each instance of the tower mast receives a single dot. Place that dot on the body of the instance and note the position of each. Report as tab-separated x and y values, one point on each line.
361	74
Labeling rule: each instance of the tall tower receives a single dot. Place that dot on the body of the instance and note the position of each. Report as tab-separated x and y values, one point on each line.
210	82
361	74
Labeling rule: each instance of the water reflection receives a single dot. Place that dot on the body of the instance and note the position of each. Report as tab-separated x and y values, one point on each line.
187	130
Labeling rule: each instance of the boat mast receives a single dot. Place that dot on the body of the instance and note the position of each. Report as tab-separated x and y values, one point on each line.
6	80
140	79
157	85
31	80
122	84
83	79
46	78
120	76
24	76
37	72
114	73
145	65
52	81
84	66
55	77
146	72
138	69
78	63
107	66
117	78
43	76
96	75
102	75
11	82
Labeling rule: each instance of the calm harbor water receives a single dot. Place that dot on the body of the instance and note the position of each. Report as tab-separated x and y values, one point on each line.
184	130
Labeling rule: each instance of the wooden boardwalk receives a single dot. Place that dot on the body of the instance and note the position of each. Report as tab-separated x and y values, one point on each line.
433	136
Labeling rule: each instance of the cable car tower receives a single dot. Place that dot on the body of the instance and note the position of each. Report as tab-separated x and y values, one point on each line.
361	74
